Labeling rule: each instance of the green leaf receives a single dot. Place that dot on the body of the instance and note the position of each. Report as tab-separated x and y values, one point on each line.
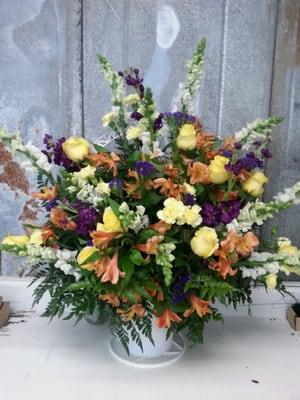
92	258
151	198
135	156
99	148
136	257
199	189
145	235
115	207
127	266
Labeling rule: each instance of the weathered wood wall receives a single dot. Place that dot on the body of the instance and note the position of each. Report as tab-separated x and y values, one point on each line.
50	78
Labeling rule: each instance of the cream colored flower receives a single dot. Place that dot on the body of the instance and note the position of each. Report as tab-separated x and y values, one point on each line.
187	140
218	173
108	118
205	242
271	281
16	240
36	237
189	188
192	216
173	210
76	148
255	184
84	173
132	98
103	188
133	132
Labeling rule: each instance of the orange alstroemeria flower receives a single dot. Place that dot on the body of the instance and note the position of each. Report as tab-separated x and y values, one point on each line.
102	239
110	298
161	227
224	264
242	244
151	247
47	233
105	160
171	171
168	188
198	173
112	272
201	307
135	310
228	143
60	218
220	195
164	321
205	140
46	193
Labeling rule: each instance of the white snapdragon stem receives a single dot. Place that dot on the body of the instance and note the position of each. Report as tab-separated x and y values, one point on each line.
258	212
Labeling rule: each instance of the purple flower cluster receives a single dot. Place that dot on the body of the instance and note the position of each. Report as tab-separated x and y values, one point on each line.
189	199
132	78
249	162
178	293
87	218
158	124
144	168
224	212
115	183
55	153
180	117
136	115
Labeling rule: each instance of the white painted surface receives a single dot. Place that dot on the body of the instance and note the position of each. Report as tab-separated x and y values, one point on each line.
41	361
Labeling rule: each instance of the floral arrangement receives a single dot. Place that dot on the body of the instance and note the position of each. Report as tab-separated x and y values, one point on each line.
159	227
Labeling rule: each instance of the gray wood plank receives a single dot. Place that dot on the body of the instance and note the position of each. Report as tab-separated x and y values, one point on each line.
284	168
103	32
40	84
249	33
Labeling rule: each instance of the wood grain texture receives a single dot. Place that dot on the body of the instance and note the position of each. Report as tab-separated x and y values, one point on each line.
40	83
284	167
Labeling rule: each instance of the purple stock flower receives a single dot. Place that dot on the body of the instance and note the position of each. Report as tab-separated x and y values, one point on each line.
223	212
87	218
189	199
136	115
178	293
158	124
180	117
209	214
249	162
132	78
227	153
51	204
144	168
266	153
115	183
228	210
55	153
238	145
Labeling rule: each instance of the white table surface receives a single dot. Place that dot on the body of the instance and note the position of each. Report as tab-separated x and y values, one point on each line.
41	361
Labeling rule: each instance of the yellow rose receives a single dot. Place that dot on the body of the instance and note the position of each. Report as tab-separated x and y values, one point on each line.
84	254
285	247
108	118
205	242
271	281
84	173
111	222
172	212
187	140
36	237
133	132
192	216
218	173
76	148
255	184
17	240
